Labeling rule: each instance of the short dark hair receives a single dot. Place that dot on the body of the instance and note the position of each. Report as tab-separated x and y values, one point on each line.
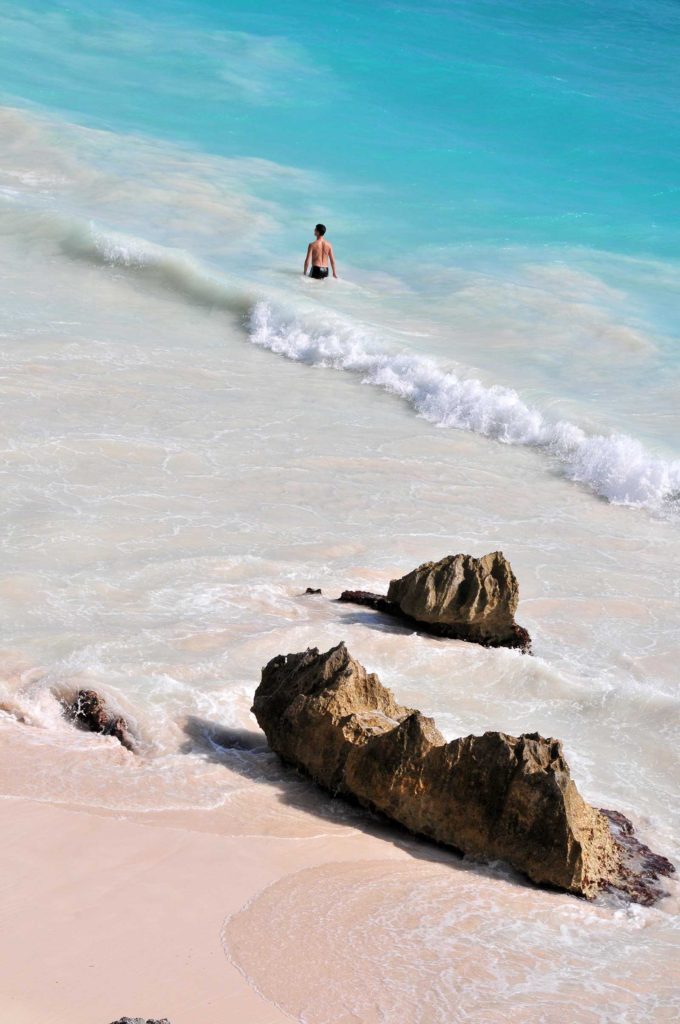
321	228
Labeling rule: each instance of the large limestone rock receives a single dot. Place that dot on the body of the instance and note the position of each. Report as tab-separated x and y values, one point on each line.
478	596
461	597
492	796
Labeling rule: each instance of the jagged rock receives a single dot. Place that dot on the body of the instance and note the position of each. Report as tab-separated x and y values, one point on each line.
479	594
460	597
89	711
313	590
494	797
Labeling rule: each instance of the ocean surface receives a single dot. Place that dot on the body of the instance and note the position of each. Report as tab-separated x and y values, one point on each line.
193	433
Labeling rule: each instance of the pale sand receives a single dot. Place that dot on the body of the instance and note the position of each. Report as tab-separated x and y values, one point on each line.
104	917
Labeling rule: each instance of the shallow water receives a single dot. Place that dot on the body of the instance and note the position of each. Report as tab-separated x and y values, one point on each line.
423	946
193	434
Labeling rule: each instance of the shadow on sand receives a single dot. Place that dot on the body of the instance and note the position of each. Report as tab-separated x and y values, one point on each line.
246	752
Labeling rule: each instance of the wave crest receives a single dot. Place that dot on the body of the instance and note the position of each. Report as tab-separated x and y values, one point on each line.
616	467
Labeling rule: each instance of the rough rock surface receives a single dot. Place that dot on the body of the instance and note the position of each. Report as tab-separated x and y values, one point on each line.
89	711
480	594
461	597
492	796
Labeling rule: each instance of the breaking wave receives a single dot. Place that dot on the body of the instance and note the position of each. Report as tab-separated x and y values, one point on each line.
615	466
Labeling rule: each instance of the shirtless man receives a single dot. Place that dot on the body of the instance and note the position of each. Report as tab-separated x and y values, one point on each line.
319	253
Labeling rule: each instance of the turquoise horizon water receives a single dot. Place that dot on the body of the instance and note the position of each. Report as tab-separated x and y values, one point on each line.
476	122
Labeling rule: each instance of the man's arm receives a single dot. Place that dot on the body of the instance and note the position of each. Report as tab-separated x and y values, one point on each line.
331	257
307	259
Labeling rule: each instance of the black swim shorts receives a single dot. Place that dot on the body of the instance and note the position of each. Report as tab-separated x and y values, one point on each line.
320	273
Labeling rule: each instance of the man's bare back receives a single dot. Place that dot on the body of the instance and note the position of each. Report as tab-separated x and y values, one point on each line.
319	255
319	251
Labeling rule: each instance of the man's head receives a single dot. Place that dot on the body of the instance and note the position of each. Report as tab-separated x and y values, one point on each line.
320	230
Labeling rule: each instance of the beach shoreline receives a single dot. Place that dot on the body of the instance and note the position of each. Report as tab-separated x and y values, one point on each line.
105	916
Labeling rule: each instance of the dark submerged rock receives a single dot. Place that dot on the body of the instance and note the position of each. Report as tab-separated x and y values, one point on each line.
519	638
641	868
89	711
493	796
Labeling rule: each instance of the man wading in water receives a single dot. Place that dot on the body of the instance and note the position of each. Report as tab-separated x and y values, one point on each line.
318	254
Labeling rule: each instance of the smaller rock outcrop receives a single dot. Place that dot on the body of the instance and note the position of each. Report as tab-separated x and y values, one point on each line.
459	597
89	711
476	595
494	797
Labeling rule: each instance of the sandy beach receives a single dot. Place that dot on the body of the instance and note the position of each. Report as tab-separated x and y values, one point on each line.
167	914
103	917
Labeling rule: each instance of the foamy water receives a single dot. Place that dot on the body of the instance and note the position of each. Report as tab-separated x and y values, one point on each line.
427	942
617	466
193	434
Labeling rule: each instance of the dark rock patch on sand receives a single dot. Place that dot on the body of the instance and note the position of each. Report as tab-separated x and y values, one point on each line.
140	1020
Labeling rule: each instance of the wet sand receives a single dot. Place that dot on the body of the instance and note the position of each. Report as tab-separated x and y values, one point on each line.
104	917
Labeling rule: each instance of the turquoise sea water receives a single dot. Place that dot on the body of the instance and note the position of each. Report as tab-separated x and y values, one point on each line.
439	141
446	144
471	122
478	121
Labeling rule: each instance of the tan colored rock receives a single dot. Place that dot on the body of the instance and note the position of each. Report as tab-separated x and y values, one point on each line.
492	796
477	596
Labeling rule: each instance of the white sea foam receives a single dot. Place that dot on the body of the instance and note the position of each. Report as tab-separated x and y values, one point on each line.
617	466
